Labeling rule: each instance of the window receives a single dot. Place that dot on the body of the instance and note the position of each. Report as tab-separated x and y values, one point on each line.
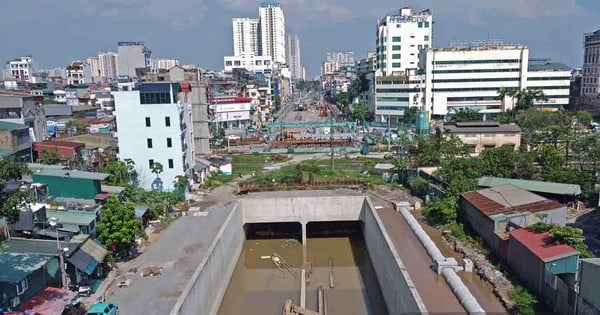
420	47
396	65
150	163
169	143
170	163
22	286
396	39
426	37
396	47
396	56
420	24
148	124
426	24
167	121
149	143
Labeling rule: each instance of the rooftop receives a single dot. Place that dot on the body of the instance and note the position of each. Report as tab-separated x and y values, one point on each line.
481	127
8	126
532	185
476	45
59	143
4	153
542	245
36	246
72	216
16	266
547	65
71	174
508	199
94	141
49	301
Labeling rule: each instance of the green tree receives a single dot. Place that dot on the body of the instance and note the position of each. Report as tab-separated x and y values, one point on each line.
342	98
441	211
523	301
466	114
570	175
569	235
498	162
77	127
505	93
120	173
584	117
157	168
550	158
359	111
119	226
181	184
11	170
50	157
527	97
410	115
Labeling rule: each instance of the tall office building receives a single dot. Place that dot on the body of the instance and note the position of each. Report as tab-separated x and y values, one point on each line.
108	65
590	84
272	31
293	56
245	36
344	59
132	55
94	63
400	38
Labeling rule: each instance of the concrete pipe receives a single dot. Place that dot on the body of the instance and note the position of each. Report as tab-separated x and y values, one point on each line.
461	291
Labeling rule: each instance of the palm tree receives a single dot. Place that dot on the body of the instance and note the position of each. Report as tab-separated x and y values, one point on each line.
507	92
157	168
526	98
181	183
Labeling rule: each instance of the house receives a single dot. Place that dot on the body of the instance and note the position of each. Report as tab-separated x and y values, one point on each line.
50	301
481	135
24	275
65	149
547	268
588	301
492	212
31	218
15	139
75	221
21	108
71	183
83	256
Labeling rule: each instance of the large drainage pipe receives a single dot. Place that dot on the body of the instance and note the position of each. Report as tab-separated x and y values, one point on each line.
466	298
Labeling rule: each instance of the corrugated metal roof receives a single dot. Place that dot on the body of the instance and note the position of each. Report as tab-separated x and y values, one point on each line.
480	128
36	246
16	266
8	126
542	244
494	201
92	248
532	185
547	66
72	216
49	301
72	174
58	110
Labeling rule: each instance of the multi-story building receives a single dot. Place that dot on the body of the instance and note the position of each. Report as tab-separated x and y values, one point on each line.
231	112
272	31
22	69
164	63
400	39
366	65
108	65
553	79
155	126
132	55
15	140
590	84
329	67
482	135
78	73
246	36
21	108
293	56
94	63
394	95
470	75
248	61
344	59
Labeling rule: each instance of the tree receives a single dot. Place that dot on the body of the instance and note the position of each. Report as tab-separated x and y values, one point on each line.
569	235
157	168
11	170
527	97
181	183
505	92
498	162
441	210
550	158
410	115
50	157
76	127
466	114
121	172
570	175
342	98
118	227
523	301
359	111
584	117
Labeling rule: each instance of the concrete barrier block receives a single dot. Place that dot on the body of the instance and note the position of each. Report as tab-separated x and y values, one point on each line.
442	264
468	265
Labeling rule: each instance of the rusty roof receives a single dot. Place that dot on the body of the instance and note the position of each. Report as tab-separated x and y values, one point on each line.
489	206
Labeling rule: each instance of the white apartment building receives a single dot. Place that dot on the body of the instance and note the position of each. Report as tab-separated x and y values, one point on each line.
108	65
79	73
272	31
367	65
231	112
94	63
164	63
248	61
470	74
400	38
329	67
590	83
394	95
22	69
553	79
132	55
293	56
154	126
344	59
245	36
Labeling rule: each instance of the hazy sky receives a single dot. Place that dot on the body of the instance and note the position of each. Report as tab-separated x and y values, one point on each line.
56	32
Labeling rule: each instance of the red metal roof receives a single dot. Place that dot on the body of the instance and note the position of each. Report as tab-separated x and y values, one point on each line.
542	244
50	301
225	100
490	207
58	143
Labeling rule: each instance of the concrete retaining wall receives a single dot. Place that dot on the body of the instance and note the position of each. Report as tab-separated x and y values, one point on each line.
204	292
399	292
302	209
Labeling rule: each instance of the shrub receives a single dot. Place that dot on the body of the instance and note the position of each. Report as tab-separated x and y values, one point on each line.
523	301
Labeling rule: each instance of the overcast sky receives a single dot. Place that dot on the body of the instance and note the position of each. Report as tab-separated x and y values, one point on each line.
56	32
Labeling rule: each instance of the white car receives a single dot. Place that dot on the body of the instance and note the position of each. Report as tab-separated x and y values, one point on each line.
233	137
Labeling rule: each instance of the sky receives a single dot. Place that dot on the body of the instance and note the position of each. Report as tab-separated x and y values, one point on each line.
57	32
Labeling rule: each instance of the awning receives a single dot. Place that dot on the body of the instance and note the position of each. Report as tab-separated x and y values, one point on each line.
140	211
88	256
50	301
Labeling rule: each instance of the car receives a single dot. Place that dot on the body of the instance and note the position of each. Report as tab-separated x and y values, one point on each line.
233	137
102	308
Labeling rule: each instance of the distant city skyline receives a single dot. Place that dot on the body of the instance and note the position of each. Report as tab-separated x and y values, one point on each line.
202	32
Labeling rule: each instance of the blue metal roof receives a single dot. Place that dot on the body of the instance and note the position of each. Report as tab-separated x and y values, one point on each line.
15	267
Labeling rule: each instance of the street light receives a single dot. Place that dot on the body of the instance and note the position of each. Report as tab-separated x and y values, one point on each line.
61	251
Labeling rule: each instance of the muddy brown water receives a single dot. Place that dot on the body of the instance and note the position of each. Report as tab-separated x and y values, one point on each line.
259	287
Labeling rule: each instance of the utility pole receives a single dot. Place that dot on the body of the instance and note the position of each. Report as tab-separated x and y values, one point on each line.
389	134
331	135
